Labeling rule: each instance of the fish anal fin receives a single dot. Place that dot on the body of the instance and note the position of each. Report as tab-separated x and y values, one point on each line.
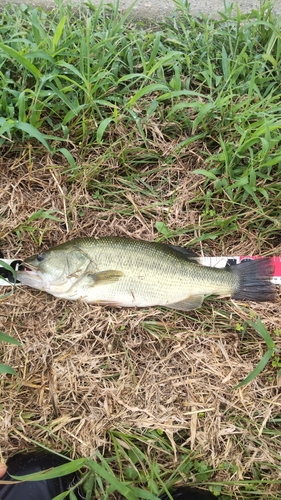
191	302
108	303
104	277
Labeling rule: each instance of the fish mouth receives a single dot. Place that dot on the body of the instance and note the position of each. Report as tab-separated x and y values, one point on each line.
29	274
25	266
28	266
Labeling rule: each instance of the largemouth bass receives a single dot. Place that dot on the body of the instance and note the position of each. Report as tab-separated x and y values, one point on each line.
128	273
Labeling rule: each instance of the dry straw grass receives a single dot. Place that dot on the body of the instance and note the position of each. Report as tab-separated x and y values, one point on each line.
86	369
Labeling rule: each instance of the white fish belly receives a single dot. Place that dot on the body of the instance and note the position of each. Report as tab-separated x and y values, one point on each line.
129	292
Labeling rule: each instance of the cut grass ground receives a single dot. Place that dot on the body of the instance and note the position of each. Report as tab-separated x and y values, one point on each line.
168	133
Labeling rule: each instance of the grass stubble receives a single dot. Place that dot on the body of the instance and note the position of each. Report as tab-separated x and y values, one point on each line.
167	133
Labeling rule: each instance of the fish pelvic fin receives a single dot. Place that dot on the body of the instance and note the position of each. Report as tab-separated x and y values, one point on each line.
104	277
254	280
191	302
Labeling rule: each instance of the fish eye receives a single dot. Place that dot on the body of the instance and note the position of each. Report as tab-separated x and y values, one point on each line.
40	257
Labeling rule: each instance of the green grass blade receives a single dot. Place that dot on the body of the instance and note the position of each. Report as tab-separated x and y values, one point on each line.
259	368
61	470
154	87
155	50
9	268
21	60
146	495
101	129
112	480
7	338
6	126
224	59
260	328
32	132
61	496
69	158
6	369
205	109
89	485
58	33
44	214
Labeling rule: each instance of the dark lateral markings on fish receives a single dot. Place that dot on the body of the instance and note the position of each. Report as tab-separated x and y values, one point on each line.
123	272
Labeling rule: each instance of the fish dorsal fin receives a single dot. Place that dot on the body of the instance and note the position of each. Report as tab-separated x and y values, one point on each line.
184	252
104	277
188	304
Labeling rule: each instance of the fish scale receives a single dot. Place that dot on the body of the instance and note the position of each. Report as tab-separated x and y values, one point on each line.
163	262
133	273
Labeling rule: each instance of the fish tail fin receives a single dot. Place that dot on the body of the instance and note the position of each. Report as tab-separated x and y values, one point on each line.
254	280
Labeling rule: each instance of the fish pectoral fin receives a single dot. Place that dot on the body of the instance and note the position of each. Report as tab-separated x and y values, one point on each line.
104	277
191	302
